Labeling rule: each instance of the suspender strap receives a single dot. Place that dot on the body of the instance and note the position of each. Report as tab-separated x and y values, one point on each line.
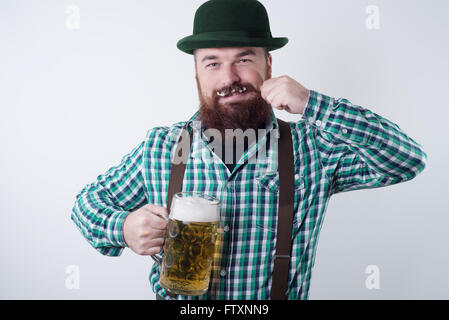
285	213
285	210
179	167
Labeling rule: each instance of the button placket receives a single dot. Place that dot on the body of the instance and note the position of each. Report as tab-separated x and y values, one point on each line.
230	188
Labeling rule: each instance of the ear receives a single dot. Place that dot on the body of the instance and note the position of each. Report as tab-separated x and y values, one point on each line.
268	66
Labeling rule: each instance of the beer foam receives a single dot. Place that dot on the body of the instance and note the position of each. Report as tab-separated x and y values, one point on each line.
194	209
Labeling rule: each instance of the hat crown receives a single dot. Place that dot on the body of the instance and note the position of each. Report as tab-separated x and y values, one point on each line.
231	23
231	15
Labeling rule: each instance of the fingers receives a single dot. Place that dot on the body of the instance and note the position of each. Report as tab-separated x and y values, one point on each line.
154	216
157	234
267	87
285	93
153	240
152	251
157	210
151	247
144	229
274	98
156	222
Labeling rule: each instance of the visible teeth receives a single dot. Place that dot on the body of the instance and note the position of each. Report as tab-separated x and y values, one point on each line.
242	89
225	93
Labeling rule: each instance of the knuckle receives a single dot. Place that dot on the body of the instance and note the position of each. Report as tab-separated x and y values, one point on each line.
145	220
142	234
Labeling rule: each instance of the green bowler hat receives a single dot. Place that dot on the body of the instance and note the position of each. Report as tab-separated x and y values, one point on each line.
231	23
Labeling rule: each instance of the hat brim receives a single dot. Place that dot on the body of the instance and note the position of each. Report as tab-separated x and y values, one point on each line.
190	43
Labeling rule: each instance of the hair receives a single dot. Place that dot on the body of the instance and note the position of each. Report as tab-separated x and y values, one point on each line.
266	53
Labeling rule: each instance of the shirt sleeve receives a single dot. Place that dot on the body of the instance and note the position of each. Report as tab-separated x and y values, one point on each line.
360	149
101	207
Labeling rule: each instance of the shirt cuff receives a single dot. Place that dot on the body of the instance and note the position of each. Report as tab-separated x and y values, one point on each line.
341	119
114	228
317	108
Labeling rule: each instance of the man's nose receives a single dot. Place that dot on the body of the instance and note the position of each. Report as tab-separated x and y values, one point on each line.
229	75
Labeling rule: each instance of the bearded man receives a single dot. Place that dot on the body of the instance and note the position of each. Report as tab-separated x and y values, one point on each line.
337	146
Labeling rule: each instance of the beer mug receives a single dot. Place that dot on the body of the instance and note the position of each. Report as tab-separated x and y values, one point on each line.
189	246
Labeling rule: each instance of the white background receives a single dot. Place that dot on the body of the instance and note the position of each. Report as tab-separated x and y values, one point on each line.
73	102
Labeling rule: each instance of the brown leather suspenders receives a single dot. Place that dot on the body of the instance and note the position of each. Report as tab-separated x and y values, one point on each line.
285	210
286	170
178	169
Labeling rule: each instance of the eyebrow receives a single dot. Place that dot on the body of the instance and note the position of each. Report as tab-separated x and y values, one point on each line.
248	52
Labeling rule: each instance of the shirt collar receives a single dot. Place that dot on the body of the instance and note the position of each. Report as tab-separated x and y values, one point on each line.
268	164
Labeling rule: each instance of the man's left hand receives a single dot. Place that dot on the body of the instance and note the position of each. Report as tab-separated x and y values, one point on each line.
284	93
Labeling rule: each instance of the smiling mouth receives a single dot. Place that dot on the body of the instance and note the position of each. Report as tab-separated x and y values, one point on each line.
231	91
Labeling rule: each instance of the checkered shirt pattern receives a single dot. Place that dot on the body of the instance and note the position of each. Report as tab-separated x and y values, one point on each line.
338	147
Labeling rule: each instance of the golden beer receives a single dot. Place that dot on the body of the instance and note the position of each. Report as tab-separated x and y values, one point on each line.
188	254
190	243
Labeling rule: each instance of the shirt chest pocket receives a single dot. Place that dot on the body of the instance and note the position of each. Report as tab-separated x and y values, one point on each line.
268	187
270	182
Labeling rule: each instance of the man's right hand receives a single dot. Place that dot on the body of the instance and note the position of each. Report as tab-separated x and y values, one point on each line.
144	229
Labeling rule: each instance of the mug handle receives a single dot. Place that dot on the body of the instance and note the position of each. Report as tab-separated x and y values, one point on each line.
157	257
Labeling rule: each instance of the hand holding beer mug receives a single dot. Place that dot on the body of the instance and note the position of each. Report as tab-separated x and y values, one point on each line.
189	243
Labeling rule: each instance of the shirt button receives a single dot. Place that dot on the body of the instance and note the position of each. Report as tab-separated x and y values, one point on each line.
344	131
226	228
223	273
318	123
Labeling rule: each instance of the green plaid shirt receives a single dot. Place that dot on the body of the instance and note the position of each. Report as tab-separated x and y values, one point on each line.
338	147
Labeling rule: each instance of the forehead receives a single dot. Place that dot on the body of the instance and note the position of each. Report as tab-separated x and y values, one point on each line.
226	52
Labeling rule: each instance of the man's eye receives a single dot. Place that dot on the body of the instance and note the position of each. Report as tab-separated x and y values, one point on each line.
244	60
212	65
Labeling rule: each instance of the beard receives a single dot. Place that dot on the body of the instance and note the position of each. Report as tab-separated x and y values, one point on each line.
250	113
